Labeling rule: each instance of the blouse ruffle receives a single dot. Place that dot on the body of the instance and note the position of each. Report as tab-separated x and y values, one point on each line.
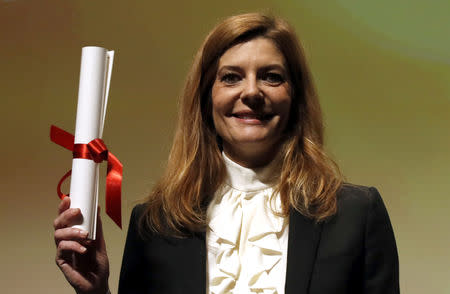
251	241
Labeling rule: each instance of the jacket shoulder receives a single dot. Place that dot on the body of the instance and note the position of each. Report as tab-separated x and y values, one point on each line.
357	197
355	204
138	210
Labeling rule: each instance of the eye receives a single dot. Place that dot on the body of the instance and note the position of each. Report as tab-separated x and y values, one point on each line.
273	78
230	78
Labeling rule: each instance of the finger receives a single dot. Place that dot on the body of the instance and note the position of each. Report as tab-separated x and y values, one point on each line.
70	234
67	218
64	205
66	246
74	277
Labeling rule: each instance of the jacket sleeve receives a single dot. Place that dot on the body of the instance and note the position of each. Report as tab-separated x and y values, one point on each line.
381	269
131	274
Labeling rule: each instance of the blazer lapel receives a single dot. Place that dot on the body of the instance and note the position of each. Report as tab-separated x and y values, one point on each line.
304	237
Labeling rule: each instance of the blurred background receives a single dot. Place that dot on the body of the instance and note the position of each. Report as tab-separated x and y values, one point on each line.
382	69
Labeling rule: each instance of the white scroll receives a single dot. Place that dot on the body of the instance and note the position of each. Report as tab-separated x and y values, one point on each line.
95	76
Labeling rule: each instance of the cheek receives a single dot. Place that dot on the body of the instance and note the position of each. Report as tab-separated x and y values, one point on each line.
215	100
221	102
282	103
284	110
217	110
219	123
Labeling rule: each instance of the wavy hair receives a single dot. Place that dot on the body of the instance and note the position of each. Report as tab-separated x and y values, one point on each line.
309	179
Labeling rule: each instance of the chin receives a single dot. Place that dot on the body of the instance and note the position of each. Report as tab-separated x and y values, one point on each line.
257	137
255	142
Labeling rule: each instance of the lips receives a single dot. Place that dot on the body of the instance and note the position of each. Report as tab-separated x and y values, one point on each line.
252	115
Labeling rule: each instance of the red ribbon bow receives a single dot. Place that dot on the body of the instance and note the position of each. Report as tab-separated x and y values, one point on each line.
95	150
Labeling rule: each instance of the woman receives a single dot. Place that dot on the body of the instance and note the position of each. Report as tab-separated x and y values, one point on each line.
249	202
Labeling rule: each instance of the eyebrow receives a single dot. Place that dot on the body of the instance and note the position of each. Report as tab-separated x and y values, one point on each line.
273	66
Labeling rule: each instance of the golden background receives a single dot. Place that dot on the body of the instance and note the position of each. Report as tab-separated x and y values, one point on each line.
382	69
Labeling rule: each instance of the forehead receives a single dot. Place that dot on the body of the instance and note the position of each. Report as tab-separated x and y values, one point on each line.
258	51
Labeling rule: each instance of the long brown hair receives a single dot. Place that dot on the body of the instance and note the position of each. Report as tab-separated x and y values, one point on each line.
309	179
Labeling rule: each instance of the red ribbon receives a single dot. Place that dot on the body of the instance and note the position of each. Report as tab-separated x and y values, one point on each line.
95	150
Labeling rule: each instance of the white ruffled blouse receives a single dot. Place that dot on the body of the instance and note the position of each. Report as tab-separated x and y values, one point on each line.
246	241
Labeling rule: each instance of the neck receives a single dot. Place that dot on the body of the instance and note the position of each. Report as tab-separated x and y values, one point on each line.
250	179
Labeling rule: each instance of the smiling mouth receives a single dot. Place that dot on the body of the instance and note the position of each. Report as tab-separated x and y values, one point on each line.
257	116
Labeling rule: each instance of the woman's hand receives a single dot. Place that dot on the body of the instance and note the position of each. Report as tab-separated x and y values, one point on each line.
83	262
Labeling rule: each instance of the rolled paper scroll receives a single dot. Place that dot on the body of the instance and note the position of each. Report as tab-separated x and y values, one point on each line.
95	75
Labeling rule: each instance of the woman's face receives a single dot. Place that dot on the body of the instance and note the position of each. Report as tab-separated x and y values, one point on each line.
251	99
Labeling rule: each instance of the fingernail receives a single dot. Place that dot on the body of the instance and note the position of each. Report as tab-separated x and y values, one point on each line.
83	233
83	249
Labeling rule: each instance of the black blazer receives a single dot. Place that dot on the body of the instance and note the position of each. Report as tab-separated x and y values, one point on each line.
354	252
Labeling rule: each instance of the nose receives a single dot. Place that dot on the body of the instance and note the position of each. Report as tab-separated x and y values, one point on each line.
252	94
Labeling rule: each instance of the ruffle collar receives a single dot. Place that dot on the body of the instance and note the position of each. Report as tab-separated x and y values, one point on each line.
254	188
248	179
